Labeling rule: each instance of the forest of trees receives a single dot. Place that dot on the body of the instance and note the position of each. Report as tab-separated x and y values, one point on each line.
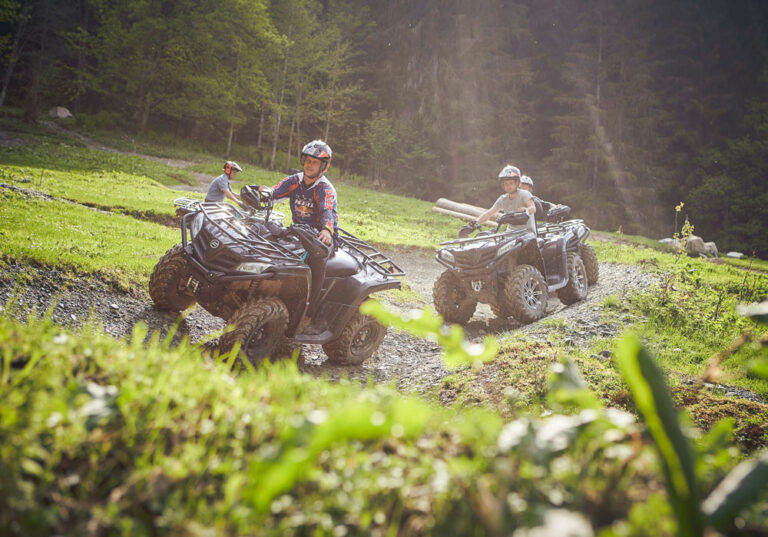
620	108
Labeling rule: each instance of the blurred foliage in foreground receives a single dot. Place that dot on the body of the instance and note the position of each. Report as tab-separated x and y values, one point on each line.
140	437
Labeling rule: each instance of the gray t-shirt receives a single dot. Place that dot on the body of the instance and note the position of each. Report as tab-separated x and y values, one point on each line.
507	205
511	205
217	188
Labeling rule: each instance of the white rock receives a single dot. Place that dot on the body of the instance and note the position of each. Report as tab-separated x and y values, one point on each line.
59	112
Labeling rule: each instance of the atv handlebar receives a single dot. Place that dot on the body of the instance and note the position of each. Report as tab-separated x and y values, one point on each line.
558	212
469	228
518	218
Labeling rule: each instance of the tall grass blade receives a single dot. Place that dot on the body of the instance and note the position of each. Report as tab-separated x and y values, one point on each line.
736	491
652	399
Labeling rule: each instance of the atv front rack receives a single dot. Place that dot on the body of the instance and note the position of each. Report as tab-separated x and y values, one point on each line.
498	238
230	222
370	255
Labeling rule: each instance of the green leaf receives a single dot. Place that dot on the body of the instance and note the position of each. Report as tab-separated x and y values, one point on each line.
652	399
424	323
736	491
759	368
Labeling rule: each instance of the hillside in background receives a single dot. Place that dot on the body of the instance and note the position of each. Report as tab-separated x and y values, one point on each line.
621	110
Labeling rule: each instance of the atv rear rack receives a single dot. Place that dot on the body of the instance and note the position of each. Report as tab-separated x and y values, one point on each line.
226	219
371	256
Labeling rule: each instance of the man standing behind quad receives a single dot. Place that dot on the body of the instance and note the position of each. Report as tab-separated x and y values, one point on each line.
513	200
312	196
220	187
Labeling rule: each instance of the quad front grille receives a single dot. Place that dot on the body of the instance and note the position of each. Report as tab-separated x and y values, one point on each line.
473	257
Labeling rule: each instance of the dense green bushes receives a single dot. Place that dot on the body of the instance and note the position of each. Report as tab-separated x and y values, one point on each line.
138	437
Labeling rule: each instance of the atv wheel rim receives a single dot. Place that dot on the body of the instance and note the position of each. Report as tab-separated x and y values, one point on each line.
581	279
254	347
532	294
363	339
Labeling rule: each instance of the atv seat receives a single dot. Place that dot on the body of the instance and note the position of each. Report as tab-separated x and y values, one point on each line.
341	264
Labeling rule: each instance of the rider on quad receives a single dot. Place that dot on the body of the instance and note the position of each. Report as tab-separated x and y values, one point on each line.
311	194
543	208
313	202
514	199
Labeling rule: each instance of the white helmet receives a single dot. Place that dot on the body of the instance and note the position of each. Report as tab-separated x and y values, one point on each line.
525	180
509	172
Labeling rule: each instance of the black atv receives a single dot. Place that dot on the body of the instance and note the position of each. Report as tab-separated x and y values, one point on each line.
255	274
512	271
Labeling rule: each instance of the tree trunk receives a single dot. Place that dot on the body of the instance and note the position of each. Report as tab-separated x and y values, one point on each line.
290	142
229	138
261	127
7	77
280	104
297	116
16	48
144	113
595	157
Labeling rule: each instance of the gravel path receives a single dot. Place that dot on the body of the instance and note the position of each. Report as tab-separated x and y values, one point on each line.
413	363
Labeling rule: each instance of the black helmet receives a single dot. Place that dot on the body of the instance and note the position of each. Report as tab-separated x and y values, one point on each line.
509	172
318	149
230	166
254	198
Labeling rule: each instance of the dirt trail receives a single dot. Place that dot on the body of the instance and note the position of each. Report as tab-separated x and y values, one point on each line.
414	363
203	180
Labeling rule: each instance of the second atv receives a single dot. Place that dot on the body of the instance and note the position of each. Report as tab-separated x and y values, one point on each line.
513	271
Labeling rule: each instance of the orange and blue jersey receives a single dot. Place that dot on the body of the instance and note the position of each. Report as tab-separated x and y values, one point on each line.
314	205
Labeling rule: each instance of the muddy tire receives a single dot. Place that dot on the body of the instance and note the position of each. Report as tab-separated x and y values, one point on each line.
501	308
576	289
259	327
165	283
358	341
451	300
285	348
589	258
526	293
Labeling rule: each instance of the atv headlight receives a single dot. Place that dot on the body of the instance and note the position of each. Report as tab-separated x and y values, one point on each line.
253	267
197	223
446	255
